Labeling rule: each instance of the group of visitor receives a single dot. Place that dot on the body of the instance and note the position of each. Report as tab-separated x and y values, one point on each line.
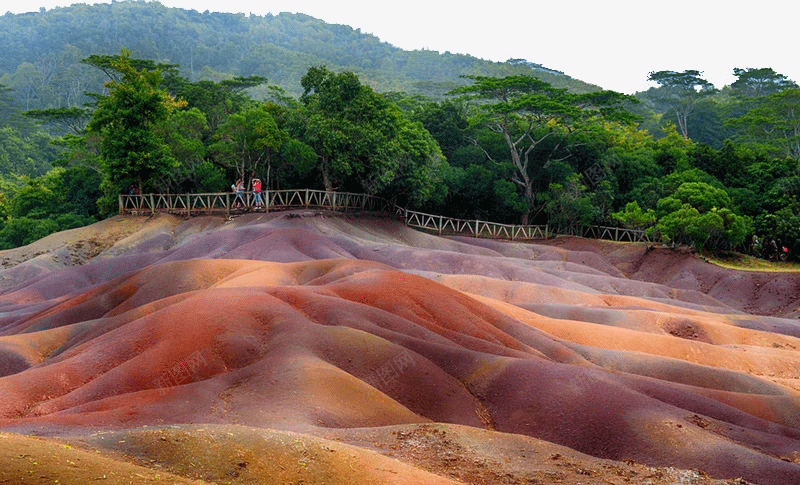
238	188
769	249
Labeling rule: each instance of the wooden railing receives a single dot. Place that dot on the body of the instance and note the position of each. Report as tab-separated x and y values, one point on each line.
619	234
476	228
226	203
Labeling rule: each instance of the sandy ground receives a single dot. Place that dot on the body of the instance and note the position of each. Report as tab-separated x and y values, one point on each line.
225	454
309	347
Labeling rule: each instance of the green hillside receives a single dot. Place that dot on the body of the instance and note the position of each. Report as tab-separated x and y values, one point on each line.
42	51
514	141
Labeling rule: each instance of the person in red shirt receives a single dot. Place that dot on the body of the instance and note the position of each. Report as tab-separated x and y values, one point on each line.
257	192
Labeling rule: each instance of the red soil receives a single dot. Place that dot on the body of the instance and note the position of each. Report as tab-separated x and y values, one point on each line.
337	328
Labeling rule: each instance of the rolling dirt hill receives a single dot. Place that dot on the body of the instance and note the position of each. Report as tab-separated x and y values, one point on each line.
308	347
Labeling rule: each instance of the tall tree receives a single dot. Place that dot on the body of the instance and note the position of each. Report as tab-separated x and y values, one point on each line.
7	109
110	65
249	142
681	92
363	141
28	82
758	82
183	132
62	120
217	100
526	111
447	123
132	149
775	124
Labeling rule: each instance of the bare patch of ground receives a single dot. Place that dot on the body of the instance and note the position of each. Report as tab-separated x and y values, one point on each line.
222	454
315	349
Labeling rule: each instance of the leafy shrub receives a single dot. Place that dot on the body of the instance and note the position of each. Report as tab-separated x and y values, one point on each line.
699	214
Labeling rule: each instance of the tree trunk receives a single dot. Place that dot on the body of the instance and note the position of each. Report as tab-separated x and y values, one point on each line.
326	176
520	161
526	216
682	113
683	123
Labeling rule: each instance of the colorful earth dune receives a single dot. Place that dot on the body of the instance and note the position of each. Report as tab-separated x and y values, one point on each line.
316	347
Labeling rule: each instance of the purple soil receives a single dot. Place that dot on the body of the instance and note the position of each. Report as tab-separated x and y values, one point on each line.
319	323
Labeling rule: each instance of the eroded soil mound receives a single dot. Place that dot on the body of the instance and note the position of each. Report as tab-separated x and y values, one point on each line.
338	331
761	292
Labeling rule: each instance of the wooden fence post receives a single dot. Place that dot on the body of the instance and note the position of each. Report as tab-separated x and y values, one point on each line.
345	201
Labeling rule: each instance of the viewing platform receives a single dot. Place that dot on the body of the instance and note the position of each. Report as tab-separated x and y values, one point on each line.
225	204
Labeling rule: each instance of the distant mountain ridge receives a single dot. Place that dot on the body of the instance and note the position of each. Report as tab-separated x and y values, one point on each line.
42	51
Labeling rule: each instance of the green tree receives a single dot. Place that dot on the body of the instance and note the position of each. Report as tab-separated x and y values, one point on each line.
759	82
10	115
527	113
35	207
699	214
21	231
774	125
634	217
35	199
364	142
412	165
28	82
216	100
783	225
77	191
681	92
344	121
249	142
569	205
30	155
183	133
63	120
132	149
71	190
447	123
297	162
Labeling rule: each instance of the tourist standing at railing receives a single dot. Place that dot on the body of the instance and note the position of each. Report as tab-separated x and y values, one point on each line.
257	192
238	189
135	195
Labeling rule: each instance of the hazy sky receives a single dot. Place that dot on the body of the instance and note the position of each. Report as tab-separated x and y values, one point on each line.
612	43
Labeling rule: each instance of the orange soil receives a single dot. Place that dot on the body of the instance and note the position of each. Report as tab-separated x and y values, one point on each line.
329	330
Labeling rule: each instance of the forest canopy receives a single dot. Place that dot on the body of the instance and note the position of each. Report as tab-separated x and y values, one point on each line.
195	100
